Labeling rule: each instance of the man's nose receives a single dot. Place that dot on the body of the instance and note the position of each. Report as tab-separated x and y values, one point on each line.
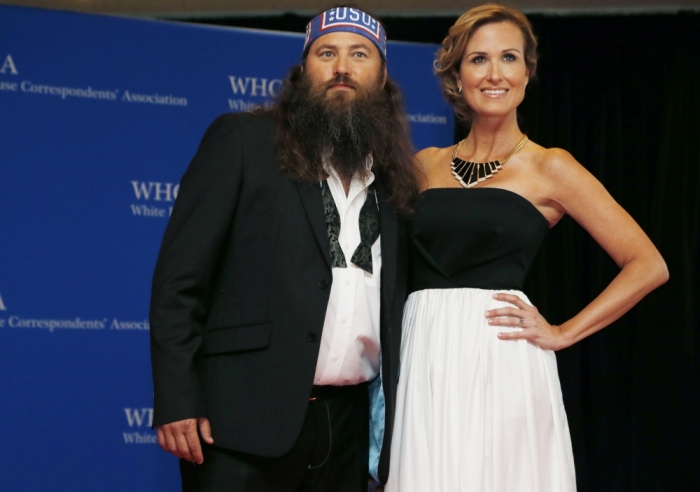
342	66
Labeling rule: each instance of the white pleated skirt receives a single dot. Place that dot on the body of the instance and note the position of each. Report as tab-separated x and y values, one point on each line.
475	413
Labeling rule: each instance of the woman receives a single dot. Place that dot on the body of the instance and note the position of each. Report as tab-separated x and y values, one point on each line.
479	404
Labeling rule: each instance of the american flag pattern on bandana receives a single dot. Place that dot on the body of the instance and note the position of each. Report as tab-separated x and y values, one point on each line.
346	19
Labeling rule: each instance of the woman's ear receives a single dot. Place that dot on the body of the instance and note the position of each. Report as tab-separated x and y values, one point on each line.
455	74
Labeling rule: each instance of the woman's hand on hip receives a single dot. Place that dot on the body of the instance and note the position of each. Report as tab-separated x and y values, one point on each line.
534	327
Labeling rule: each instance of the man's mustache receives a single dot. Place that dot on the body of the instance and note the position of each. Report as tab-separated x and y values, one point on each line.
341	79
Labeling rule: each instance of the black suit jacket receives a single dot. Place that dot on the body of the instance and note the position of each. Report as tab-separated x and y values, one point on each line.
240	293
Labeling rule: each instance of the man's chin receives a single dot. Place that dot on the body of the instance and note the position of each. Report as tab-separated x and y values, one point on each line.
340	100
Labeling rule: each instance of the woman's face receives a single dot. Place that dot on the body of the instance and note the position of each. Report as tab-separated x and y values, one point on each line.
493	74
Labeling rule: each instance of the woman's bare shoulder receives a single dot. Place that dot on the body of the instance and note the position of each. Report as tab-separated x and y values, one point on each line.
432	156
555	160
564	179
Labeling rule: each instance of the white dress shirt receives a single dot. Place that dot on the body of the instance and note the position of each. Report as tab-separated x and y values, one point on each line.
349	351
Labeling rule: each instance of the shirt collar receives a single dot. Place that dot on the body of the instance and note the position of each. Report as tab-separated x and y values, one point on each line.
357	185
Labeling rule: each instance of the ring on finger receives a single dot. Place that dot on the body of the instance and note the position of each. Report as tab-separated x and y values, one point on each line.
522	321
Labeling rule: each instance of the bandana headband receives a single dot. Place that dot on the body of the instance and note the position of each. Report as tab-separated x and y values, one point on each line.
346	19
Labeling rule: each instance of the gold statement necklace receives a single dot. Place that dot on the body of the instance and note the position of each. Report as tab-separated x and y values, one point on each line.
470	173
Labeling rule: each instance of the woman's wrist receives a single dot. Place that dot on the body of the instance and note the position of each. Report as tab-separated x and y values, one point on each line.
564	336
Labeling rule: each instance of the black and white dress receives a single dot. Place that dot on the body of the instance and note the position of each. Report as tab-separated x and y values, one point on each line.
475	413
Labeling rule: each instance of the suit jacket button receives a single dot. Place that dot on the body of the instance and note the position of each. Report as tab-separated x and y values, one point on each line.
323	283
311	337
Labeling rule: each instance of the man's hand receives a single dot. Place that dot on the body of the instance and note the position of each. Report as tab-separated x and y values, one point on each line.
181	438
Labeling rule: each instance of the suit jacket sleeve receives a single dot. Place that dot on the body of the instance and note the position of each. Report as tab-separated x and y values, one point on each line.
186	266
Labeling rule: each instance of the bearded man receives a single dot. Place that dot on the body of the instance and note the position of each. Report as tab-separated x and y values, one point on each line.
280	283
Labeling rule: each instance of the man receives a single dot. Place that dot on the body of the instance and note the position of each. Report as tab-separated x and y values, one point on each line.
280	283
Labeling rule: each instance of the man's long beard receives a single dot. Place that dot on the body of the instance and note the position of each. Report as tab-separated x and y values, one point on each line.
342	129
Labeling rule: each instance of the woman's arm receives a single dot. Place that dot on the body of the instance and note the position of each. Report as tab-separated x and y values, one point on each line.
584	198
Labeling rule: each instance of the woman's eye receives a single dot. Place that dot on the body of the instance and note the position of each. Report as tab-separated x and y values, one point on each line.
509	57
479	59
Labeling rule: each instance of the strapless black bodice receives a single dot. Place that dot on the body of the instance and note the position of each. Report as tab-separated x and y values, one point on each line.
480	237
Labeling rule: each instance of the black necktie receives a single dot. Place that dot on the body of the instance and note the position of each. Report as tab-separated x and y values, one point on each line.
369	229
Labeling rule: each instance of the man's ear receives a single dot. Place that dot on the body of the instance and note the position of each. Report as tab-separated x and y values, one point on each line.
384	77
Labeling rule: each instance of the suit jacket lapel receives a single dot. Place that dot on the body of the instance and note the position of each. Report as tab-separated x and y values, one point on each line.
389	237
313	204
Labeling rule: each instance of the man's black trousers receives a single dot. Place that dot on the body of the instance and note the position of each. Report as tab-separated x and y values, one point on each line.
330	455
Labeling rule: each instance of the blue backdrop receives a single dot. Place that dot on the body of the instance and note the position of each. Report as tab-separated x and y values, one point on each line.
99	117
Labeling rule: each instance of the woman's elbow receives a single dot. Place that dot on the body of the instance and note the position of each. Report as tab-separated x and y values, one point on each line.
660	271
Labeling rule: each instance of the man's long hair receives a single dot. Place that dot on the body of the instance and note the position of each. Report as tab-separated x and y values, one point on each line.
375	124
